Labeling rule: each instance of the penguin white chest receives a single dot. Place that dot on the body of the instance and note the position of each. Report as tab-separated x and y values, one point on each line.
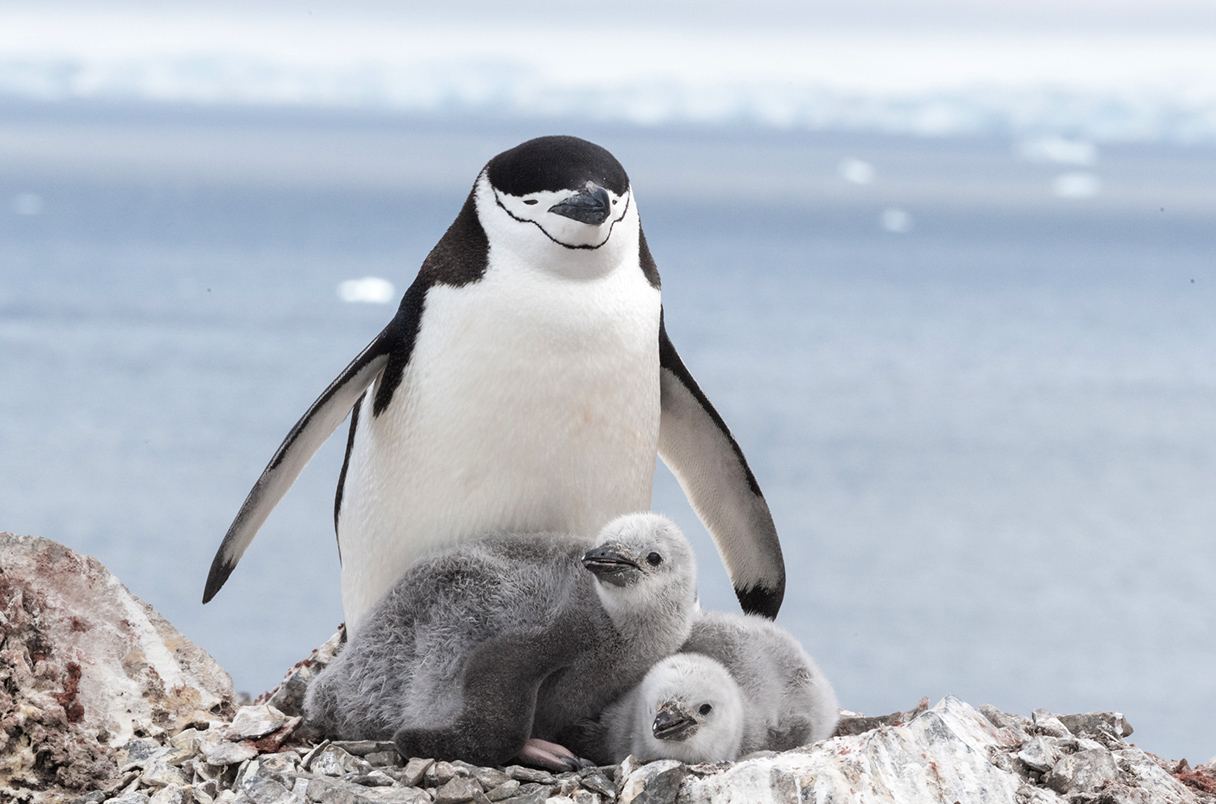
531	402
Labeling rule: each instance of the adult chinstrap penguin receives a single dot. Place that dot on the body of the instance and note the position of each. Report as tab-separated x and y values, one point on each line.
511	637
787	700
688	707
525	385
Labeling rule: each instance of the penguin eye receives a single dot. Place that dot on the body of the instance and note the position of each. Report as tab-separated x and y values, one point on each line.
530	201
654	559
705	709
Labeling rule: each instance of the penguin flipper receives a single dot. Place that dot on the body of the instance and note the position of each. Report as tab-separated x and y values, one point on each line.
297	449
697	446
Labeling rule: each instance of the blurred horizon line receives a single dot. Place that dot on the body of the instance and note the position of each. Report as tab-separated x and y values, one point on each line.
1099	86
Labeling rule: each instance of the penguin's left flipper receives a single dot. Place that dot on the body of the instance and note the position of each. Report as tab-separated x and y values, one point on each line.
697	446
387	355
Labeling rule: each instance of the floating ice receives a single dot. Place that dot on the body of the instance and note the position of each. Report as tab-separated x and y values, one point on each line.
1076	184
856	171
28	204
896	220
1060	150
371	289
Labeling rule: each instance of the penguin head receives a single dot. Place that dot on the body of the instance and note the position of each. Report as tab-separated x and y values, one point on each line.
690	708
644	568
556	197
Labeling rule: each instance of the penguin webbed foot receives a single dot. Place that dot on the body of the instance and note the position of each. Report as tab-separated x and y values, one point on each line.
550	756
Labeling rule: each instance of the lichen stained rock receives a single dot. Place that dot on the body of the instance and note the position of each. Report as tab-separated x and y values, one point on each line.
85	667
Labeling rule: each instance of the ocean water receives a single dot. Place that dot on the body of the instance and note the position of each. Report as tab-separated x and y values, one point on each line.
978	389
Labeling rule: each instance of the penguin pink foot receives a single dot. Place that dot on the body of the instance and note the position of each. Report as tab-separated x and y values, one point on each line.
550	756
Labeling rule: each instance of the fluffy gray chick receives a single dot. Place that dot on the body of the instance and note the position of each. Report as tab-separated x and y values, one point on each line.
474	651
787	701
688	707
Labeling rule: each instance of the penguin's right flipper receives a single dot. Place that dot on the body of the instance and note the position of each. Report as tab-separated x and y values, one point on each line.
697	446
386	358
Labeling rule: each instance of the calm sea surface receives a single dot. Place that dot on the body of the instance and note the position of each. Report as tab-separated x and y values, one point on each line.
988	439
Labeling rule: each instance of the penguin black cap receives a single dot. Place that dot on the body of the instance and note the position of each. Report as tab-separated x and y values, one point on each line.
556	163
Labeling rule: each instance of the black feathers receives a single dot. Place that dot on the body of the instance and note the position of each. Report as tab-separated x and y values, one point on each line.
554	164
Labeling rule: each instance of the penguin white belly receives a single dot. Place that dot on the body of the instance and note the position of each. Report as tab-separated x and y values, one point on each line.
531	402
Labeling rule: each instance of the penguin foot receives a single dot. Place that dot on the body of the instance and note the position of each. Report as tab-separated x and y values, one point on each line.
551	756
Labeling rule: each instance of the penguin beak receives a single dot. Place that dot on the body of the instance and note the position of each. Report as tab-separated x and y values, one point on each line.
589	205
609	565
672	724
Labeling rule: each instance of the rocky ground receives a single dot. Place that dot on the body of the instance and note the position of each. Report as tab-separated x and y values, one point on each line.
101	700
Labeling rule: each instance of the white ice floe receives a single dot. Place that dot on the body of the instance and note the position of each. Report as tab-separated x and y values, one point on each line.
855	171
1076	184
1060	150
896	220
371	289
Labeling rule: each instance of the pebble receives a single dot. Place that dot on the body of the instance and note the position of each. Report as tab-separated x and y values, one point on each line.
522	774
505	790
458	790
252	722
530	793
414	771
440	774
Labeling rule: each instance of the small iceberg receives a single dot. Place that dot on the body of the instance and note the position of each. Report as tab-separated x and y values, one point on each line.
370	289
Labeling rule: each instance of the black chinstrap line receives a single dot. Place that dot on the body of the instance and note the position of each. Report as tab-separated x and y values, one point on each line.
608	237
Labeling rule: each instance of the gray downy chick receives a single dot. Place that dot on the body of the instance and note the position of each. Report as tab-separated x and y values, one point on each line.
688	707
787	701
473	652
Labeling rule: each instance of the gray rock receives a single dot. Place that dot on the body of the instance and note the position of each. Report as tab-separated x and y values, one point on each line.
1004	720
374	779
597	782
172	794
585	797
1039	753
334	791
522	774
1082	772
267	790
252	722
440	774
1098	725
138	753
361	748
488	777
505	790
96	797
218	751
159	773
530	793
1143	780
382	758
653	783
459	789
414	771
334	761
1048	724
134	797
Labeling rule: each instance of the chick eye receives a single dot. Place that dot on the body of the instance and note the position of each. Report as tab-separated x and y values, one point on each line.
530	201
654	559
705	709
